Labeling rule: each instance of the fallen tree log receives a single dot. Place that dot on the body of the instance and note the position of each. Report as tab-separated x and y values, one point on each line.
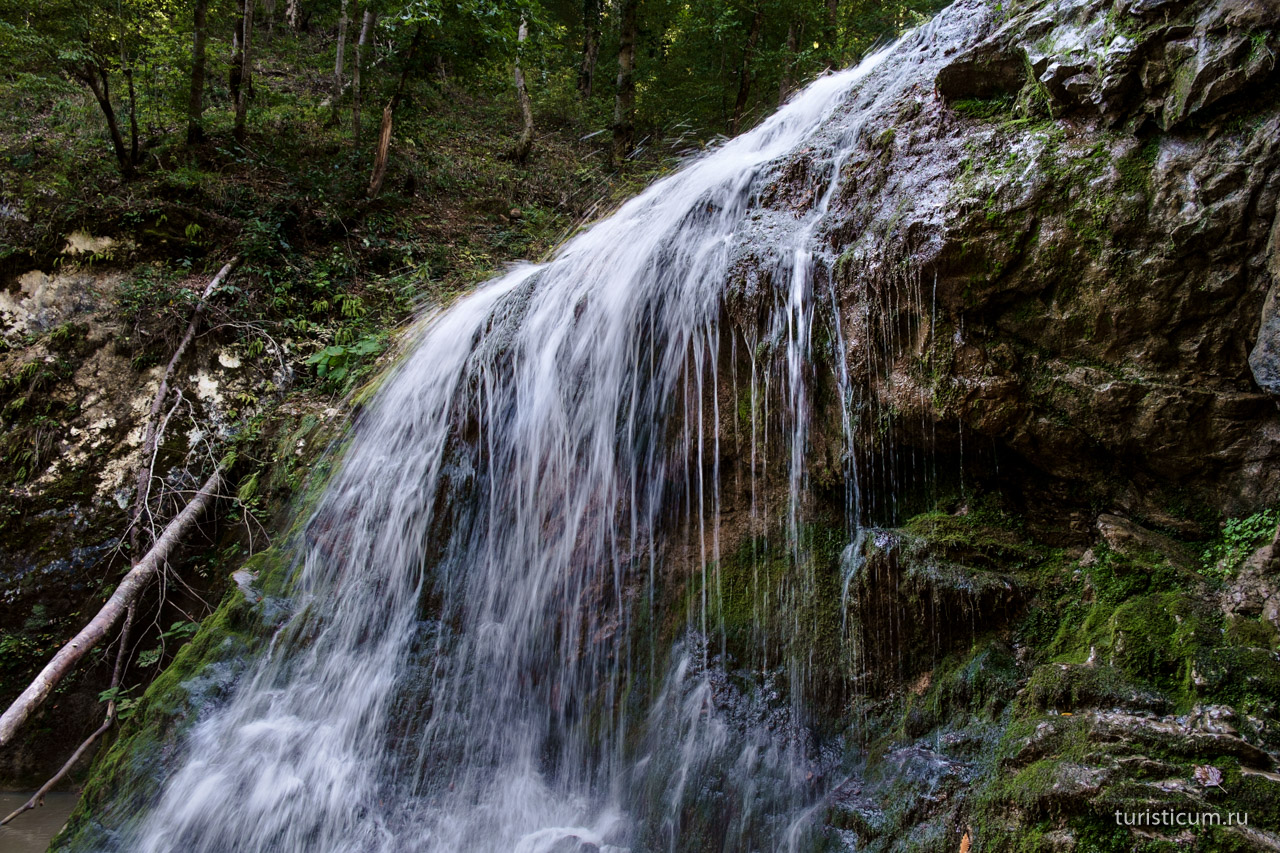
126	593
37	799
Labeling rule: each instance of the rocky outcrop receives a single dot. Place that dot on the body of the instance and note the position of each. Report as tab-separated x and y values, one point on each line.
79	364
1264	360
1085	202
1057	266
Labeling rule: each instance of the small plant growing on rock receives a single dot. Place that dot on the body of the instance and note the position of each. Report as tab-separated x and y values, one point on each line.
335	361
1240	537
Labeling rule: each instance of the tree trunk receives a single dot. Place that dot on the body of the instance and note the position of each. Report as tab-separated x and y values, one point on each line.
590	46
624	103
236	66
744	73
787	83
246	71
291	14
126	593
336	98
382	155
831	37
195	103
362	51
127	69
95	78
525	143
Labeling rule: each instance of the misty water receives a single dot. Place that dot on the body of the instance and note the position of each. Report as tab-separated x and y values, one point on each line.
474	658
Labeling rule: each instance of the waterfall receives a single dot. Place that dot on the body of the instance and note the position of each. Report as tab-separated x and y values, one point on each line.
472	662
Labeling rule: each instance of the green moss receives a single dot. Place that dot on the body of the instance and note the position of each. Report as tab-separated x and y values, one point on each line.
977	536
1256	633
1136	168
129	769
985	109
968	687
1246	677
1067	687
769	603
1152	640
1032	787
1254	795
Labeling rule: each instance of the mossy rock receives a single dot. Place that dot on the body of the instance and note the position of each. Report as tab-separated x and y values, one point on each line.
1251	633
759	593
968	540
974	687
1067	687
127	773
1151	640
1247	677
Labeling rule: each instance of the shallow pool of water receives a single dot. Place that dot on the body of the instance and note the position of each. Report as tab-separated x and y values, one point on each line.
32	831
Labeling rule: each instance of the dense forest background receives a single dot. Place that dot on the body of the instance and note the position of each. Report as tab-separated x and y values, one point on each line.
334	144
188	94
318	74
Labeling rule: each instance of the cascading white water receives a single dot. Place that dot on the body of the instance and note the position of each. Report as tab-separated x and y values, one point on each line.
461	670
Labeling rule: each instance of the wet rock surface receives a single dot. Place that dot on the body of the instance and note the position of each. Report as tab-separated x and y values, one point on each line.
1057	265
1087	254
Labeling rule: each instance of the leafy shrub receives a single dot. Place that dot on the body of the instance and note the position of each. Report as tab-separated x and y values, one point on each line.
1240	538
334	362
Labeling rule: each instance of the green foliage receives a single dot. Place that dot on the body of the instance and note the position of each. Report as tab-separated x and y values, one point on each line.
334	362
180	632
764	585
1098	835
1240	538
153	289
126	705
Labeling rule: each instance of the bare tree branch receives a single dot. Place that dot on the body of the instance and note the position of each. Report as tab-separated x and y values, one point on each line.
120	601
37	799
150	438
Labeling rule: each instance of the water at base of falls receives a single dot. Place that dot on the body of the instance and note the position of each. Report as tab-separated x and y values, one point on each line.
465	669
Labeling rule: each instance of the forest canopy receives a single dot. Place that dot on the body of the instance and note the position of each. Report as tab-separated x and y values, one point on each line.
165	70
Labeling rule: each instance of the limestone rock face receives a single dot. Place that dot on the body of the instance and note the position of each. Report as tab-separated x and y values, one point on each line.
75	396
1057	263
1264	360
1063	250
